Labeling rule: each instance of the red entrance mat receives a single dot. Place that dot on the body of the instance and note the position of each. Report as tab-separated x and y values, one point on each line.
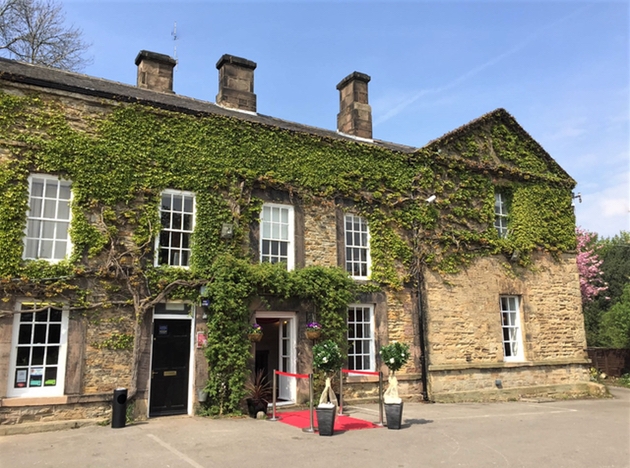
302	419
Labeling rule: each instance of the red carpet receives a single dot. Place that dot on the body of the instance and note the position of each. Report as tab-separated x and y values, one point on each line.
301	419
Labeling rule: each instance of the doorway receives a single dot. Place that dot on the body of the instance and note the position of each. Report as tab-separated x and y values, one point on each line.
170	366
276	351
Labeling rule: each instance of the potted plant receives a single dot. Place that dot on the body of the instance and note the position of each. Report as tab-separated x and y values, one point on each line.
394	355
328	359
255	333
259	393
313	330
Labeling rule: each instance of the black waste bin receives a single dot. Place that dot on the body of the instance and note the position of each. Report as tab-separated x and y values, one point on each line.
119	408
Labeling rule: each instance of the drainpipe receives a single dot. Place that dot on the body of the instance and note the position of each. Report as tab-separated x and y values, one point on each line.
423	345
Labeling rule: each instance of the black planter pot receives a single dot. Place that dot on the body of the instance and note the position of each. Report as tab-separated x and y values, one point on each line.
326	420
255	406
393	414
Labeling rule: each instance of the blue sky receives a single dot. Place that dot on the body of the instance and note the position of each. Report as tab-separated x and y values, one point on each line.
560	68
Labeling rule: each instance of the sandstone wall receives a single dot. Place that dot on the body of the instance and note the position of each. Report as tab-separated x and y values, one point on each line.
320	234
464	334
106	367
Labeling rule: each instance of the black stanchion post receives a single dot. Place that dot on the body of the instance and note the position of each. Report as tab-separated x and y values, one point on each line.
310	398
380	399
273	411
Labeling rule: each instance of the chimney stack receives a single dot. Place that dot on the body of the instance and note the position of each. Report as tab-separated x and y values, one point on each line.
155	71
355	114
236	83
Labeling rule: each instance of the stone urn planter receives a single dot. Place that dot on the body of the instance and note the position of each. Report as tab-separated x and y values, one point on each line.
326	419
393	415
256	406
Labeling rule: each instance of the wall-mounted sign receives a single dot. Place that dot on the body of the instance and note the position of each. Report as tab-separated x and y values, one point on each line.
36	377
20	378
202	340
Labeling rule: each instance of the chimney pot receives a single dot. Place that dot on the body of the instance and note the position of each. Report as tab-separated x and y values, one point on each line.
236	83
355	114
155	71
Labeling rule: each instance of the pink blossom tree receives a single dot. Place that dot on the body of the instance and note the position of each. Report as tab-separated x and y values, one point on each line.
589	265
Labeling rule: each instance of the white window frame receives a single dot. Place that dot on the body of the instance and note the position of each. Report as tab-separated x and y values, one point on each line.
353	326
511	330
269	225
171	231
41	219
363	245
501	215
42	391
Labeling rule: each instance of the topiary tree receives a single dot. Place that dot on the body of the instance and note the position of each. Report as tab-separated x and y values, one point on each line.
394	355
327	358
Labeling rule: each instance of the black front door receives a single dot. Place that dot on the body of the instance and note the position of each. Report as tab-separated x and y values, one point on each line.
169	367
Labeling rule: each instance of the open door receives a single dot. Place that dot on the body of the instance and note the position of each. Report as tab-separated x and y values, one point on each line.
276	350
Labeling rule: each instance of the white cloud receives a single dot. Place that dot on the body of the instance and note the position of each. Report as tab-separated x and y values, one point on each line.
568	129
614	207
606	211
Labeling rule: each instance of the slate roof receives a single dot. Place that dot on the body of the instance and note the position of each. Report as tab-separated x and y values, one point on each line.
40	76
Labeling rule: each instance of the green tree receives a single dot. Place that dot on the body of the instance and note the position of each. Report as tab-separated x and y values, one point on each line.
615	255
615	324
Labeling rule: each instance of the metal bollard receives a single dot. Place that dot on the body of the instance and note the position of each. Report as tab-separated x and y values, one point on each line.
310	397
340	413
380	399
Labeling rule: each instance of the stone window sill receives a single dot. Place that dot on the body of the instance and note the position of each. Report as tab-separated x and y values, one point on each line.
505	365
16	402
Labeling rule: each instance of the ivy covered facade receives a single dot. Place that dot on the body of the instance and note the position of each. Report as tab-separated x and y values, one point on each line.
143	233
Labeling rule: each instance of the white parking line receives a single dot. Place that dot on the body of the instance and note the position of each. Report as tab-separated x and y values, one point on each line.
187	459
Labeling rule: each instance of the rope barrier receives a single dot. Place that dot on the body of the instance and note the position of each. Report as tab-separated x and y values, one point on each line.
358	372
312	429
276	373
380	391
287	374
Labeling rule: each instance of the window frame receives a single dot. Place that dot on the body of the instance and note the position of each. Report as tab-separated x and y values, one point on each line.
501	217
290	233
351	262
43	391
371	340
158	245
516	337
56	220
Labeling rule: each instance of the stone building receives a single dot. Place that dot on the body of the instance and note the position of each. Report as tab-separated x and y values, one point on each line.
119	201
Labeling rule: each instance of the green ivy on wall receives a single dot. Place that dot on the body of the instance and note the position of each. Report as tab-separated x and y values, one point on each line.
120	159
235	283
